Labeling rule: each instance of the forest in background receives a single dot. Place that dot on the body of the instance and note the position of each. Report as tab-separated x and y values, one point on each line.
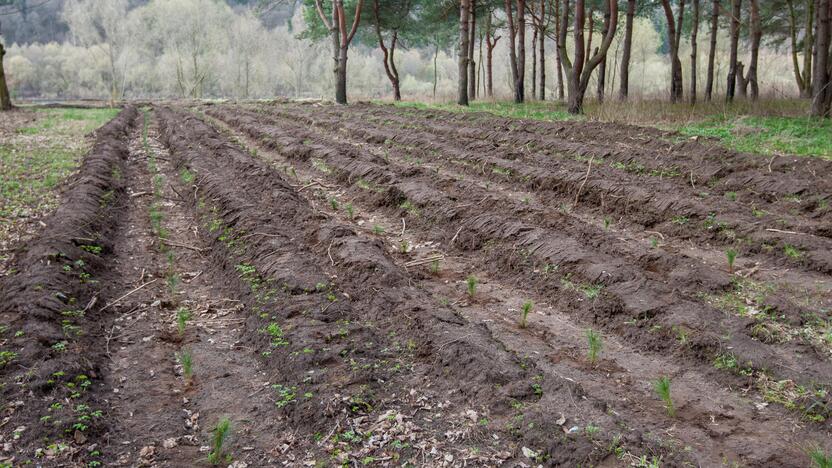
211	49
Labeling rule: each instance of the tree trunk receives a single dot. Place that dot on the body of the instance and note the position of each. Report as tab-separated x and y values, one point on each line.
579	74
693	55
808	46
462	89
674	30
821	79
5	98
534	60
709	85
602	68
435	70
520	85
624	91
341	77
472	66
389	54
742	83
542	55
558	61
731	84
756	37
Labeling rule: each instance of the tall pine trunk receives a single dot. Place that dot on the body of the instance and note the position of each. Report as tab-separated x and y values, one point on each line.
624	91
808	46
602	68
709	85
534	60
462	89
821	79
542	54
756	37
674	31
558	60
731	85
472	65
693	51
520	85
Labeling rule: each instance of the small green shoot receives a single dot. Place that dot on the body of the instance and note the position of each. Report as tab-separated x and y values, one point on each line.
221	433
186	360
378	230
595	343
333	203
731	254
183	315
471	281
607	223
434	267
792	252
525	309
662	387
819	458
350	210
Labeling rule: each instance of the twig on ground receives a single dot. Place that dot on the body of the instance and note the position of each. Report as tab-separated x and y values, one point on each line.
586	177
128	294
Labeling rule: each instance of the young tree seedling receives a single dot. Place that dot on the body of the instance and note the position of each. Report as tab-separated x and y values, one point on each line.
434	267
593	338
471	281
525	309
187	362
182	317
662	387
220	435
731	254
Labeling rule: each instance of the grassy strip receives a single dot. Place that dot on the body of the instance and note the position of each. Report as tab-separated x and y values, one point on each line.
766	127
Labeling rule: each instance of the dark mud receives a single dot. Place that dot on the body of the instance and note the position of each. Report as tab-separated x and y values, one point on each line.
51	314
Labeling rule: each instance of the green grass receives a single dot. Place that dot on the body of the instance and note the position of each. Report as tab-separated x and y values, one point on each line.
800	136
535	110
37	158
766	127
70	121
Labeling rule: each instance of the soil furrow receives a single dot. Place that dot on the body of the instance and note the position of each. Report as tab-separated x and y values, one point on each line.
555	342
527	249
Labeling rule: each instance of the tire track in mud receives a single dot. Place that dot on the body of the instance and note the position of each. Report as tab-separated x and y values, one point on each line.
165	417
554	342
723	221
341	290
643	297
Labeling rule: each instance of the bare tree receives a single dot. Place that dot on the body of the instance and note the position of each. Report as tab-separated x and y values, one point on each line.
578	75
803	78
341	39
674	33
736	11
624	91
491	39
709	86
602	68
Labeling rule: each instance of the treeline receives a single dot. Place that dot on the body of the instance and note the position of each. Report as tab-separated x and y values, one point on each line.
805	24
532	49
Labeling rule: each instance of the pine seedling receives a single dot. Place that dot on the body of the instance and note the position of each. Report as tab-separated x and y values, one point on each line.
183	315
607	223
220	435
525	309
350	210
434	267
662	387
404	246
820	459
187	362
471	281
333	203
595	342
731	254
378	230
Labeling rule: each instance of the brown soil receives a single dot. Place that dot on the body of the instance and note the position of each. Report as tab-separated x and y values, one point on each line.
322	255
